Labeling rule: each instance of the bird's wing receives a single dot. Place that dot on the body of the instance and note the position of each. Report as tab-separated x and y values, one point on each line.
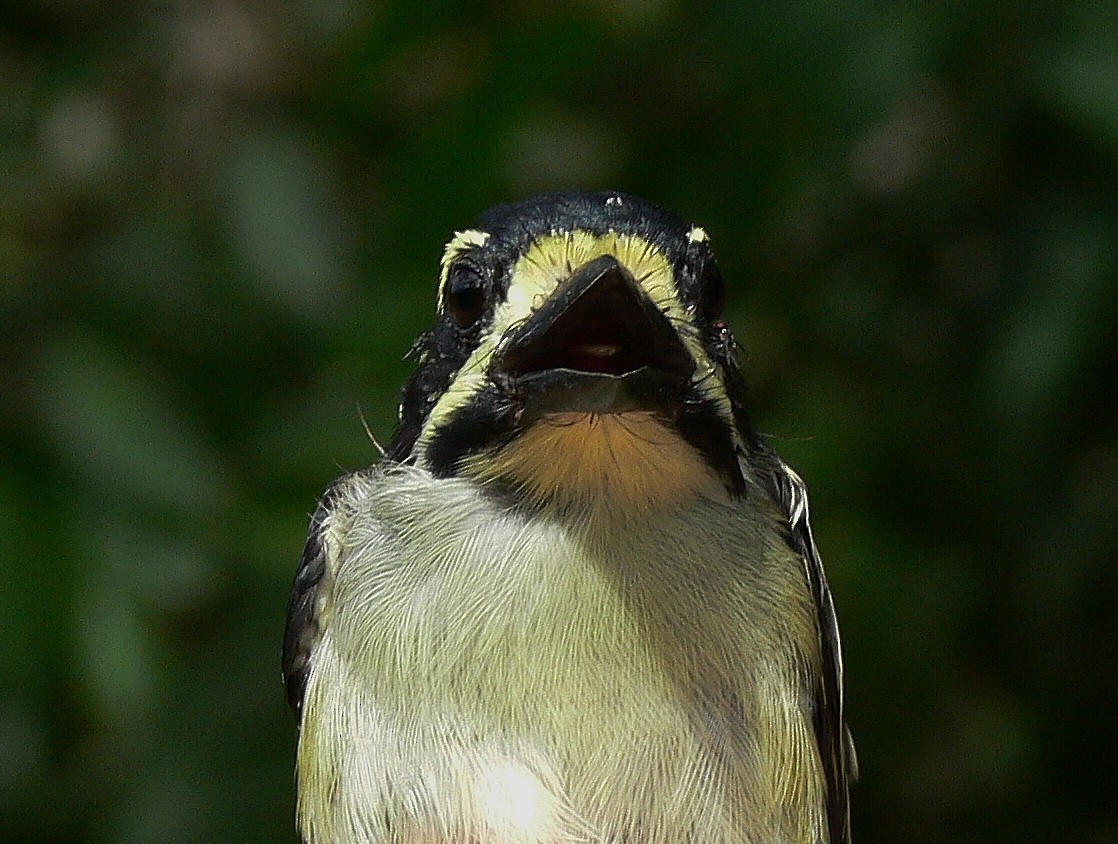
310	597
835	747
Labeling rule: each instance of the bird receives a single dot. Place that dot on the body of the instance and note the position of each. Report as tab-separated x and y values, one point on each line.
578	598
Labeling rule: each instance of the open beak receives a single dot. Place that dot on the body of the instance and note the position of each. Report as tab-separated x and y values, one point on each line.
598	345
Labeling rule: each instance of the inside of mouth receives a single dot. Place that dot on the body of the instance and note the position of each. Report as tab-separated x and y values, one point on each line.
594	346
585	342
605	330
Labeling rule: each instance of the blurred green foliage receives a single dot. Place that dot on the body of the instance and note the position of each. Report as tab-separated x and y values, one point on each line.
219	225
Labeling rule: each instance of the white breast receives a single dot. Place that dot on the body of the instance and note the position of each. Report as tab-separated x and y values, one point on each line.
494	675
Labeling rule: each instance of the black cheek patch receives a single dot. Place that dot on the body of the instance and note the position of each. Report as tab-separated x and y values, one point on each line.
490	418
700	424
442	352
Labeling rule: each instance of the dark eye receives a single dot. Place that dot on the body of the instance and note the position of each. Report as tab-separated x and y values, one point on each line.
465	294
712	293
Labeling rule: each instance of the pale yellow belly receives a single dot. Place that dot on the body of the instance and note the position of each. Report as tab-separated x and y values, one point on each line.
530	687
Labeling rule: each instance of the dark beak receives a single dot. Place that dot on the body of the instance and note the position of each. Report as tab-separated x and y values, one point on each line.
598	345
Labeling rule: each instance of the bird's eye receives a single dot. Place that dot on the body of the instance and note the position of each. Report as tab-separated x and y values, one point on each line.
465	294
712	293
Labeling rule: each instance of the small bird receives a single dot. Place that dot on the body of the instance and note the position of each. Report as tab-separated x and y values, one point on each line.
578	600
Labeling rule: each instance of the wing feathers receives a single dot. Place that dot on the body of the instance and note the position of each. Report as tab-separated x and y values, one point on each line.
309	599
832	736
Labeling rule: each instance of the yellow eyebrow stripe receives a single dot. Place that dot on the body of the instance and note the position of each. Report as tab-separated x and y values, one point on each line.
462	241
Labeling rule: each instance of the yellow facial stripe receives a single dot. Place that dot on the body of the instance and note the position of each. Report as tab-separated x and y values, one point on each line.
461	242
549	261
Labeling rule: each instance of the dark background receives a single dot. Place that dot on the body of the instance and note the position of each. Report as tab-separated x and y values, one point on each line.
219	228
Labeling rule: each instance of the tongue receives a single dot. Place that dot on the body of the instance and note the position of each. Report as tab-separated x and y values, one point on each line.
597	357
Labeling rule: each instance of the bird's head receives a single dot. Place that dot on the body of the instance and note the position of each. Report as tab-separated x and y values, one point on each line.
579	355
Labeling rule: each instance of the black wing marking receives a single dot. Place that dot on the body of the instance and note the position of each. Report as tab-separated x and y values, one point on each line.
309	596
832	737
